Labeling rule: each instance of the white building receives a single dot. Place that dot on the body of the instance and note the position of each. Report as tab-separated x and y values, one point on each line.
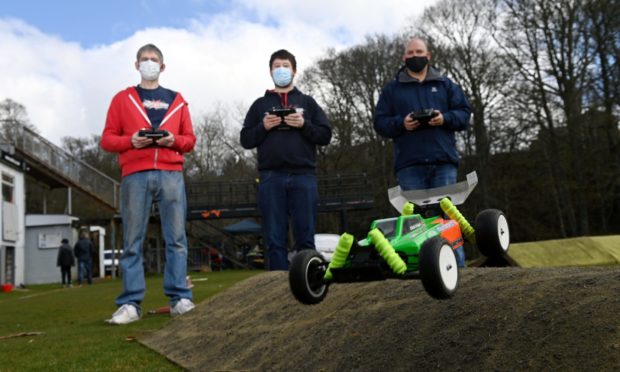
44	233
29	244
12	223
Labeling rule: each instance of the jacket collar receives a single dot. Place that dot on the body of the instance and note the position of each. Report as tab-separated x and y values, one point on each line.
291	92
284	96
433	74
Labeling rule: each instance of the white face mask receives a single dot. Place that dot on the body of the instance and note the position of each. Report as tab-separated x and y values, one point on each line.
149	70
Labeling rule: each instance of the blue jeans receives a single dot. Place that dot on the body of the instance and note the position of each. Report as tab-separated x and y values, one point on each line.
85	268
459	253
420	177
138	192
282	195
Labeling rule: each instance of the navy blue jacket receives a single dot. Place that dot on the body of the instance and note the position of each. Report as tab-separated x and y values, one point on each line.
84	250
435	145
292	150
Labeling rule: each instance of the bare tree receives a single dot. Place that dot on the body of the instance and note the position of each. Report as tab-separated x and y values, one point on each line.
460	39
217	144
89	151
348	84
550	44
604	97
13	116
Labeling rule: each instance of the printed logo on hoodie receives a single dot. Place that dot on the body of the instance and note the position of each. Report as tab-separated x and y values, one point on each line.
155	104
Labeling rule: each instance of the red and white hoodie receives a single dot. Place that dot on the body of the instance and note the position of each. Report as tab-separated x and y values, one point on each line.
127	115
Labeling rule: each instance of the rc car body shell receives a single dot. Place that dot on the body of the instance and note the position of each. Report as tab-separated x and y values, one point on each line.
406	234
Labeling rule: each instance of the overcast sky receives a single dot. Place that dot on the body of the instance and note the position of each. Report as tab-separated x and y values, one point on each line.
65	59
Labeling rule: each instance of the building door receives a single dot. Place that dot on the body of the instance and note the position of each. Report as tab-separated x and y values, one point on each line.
9	265
94	237
2	256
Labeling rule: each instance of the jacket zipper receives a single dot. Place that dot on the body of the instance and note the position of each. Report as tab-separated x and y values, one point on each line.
140	110
162	124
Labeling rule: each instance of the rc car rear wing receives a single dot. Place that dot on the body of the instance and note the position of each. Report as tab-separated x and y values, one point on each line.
457	193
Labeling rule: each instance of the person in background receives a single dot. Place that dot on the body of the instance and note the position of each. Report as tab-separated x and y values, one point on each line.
65	261
286	146
84	251
152	172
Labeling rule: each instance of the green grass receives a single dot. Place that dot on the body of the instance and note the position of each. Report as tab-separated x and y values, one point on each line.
583	251
75	336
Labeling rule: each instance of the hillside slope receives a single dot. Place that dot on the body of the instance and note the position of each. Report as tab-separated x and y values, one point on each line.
582	251
500	319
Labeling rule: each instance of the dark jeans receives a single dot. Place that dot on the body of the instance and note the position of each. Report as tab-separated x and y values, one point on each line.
459	253
282	196
85	268
421	177
65	272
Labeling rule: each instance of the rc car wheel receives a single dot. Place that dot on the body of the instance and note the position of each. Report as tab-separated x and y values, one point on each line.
492	233
306	277
438	269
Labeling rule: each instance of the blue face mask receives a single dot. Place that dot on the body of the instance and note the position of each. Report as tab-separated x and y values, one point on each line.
282	76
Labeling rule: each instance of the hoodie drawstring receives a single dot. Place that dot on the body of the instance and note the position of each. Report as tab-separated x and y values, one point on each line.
283	99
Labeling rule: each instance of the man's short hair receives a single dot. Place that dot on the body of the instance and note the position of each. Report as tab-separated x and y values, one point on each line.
412	38
150	48
65	241
283	54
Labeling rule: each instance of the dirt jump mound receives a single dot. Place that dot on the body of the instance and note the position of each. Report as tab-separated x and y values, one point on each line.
502	319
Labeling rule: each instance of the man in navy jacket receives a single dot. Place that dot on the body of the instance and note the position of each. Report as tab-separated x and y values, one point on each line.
425	153
286	146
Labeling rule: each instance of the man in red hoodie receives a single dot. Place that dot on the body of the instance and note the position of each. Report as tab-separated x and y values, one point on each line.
150	128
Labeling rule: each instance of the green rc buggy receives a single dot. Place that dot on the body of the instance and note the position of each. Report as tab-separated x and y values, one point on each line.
418	244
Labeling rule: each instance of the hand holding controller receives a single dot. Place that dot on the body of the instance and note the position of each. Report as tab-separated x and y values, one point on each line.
155	134
424	116
281	113
151	137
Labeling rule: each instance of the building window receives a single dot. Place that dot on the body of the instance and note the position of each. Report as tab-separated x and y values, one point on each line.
8	182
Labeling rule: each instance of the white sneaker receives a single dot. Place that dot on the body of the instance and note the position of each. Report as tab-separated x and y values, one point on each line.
124	315
181	307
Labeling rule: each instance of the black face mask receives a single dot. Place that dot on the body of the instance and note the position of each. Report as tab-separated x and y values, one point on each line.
416	63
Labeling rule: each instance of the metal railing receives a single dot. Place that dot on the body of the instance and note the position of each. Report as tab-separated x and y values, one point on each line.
77	172
222	192
339	187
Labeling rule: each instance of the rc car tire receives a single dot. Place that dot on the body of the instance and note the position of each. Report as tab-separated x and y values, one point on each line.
306	277
438	268
492	233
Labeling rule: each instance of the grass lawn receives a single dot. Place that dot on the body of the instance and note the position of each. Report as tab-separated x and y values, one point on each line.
581	251
75	336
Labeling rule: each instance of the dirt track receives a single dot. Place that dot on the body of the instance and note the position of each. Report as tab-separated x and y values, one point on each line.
502	319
